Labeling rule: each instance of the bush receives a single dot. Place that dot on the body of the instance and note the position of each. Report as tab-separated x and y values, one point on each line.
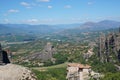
51	74
48	63
112	76
60	58
103	67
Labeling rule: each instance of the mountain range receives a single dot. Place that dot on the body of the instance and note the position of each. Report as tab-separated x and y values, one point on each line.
95	26
61	28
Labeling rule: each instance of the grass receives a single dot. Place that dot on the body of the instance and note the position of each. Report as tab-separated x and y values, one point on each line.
56	72
64	65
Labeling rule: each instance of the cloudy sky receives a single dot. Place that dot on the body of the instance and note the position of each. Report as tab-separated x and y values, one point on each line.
58	11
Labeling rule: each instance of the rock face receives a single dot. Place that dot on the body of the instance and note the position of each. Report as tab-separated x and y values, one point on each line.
44	55
3	56
109	47
15	72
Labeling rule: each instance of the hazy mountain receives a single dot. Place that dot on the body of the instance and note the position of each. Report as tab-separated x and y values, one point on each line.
5	29
102	25
94	26
61	28
41	29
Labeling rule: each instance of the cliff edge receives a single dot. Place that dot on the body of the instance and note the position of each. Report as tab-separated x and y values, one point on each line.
15	72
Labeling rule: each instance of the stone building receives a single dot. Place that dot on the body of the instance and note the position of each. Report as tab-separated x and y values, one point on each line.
78	71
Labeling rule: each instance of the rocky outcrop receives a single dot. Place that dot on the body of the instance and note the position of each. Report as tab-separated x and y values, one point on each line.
109	47
44	55
15	72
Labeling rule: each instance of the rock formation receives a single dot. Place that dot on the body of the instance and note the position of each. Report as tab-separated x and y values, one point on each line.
15	72
109	47
45	54
3	56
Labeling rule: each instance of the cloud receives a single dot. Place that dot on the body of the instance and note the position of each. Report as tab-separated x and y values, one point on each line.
31	21
25	4
43	0
6	20
67	6
33	4
38	21
90	3
13	11
47	20
5	14
75	19
50	7
30	5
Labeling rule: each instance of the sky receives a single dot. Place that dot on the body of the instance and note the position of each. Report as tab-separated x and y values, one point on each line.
58	11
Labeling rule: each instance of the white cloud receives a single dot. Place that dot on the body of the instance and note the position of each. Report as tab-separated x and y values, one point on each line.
33	4
67	6
29	5
31	21
5	14
6	20
13	11
38	21
40	5
43	0
47	20
25	4
75	19
90	3
10	11
50	7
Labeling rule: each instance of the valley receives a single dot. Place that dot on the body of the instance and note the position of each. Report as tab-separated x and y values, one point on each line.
50	52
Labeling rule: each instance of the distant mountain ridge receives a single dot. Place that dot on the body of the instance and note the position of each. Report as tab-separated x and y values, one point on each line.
106	24
46	29
26	28
94	26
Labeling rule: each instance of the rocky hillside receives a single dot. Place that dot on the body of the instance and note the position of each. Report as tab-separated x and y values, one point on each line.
15	72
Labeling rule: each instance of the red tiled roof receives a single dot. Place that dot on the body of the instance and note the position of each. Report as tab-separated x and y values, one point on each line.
79	65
